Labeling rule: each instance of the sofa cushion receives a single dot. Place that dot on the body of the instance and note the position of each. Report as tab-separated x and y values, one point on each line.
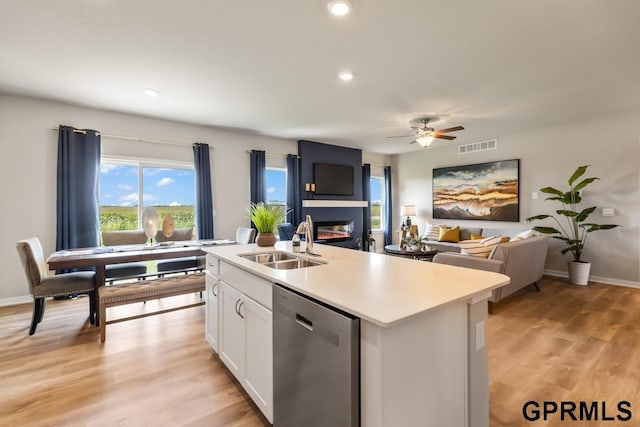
468	233
431	232
449	234
523	236
480	248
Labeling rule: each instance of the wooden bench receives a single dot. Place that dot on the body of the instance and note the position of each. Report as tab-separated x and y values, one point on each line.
127	293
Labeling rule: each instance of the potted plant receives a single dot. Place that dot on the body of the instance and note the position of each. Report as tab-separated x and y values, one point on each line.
266	217
575	230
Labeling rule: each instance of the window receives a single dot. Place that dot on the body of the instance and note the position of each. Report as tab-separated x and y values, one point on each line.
169	187
276	182
377	202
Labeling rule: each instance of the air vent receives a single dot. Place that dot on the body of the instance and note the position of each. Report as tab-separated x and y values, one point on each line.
490	144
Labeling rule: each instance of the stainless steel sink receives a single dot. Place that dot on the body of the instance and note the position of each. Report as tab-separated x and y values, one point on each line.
292	264
281	260
268	257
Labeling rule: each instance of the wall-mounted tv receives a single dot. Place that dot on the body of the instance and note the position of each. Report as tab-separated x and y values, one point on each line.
333	180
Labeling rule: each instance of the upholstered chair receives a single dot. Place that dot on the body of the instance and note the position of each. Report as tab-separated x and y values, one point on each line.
179	264
41	286
245	235
130	269
286	231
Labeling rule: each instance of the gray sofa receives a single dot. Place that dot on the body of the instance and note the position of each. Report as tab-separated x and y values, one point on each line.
521	260
465	234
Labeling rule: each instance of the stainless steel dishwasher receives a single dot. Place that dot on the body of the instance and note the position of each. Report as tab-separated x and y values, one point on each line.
316	363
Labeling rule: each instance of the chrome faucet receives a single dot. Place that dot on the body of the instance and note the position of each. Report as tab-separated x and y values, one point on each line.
306	227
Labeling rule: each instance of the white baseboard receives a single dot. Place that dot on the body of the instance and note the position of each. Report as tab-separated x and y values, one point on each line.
596	279
15	300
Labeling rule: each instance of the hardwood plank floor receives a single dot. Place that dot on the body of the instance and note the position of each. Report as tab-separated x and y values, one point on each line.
567	342
153	371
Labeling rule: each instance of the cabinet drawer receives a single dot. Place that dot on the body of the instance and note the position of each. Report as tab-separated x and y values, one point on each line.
213	266
250	285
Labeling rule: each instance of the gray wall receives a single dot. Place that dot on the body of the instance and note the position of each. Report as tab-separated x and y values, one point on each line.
548	157
28	173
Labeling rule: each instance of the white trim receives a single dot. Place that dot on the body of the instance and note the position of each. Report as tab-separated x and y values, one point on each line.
334	204
596	279
4	302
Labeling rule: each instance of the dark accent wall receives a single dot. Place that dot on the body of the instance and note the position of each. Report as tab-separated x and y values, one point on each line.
315	152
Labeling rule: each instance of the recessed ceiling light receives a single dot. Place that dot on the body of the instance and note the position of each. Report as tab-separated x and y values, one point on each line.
151	92
345	76
339	7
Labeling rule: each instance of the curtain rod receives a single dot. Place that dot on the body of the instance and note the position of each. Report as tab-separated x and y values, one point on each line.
134	138
272	155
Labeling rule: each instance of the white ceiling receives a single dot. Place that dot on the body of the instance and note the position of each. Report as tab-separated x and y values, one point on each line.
270	66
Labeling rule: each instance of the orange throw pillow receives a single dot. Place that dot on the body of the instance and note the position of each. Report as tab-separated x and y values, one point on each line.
449	234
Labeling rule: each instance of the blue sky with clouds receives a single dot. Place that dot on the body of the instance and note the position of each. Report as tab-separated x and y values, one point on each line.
161	186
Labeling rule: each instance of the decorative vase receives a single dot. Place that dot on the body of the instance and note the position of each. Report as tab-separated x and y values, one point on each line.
579	272
266	239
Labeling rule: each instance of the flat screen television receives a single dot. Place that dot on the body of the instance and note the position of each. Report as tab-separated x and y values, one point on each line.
333	180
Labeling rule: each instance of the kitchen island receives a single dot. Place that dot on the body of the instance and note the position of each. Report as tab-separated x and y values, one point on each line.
422	354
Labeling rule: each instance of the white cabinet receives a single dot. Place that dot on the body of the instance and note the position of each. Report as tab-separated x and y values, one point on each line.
212	288
245	339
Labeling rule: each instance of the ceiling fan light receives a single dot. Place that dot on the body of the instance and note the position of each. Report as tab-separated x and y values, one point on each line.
425	140
339	7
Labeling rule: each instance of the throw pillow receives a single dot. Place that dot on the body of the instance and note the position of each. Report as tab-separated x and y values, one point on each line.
523	236
505	239
476	236
480	248
449	234
431	232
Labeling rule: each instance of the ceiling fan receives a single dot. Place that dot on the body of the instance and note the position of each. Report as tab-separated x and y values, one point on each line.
425	135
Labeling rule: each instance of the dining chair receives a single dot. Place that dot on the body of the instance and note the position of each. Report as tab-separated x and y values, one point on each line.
41	286
130	269
286	231
245	235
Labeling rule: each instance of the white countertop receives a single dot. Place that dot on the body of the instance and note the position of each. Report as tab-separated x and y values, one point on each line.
381	289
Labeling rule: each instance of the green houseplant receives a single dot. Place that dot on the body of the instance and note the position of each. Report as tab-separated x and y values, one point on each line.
573	230
266	217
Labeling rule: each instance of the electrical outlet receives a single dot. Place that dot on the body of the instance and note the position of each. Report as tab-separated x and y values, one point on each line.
608	212
534	195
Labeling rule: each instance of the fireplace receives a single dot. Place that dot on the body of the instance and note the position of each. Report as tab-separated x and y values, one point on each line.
333	231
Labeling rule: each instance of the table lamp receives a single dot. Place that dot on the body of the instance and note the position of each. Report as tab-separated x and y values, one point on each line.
408	211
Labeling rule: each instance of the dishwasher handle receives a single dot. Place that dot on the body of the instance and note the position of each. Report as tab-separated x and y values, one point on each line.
304	322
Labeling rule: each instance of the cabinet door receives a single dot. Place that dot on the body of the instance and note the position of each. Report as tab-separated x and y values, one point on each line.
258	368
232	339
211	313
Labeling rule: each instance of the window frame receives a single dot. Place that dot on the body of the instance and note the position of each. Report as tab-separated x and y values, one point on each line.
280	169
382	203
141	163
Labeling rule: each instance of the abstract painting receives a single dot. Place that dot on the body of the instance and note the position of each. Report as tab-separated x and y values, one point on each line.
485	191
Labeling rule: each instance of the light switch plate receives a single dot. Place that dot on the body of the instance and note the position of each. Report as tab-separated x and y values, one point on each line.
608	212
534	195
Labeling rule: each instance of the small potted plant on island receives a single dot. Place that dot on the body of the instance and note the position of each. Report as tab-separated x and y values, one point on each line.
266	217
575	230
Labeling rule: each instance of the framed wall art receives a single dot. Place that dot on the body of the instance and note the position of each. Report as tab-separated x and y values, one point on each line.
483	191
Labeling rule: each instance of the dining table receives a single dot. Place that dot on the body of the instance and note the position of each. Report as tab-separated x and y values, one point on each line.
99	257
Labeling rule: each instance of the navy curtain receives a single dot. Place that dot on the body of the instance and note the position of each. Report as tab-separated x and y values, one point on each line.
77	206
293	190
257	171
388	239
366	212
204	197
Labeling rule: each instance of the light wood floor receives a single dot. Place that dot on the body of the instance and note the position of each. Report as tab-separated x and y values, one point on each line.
565	343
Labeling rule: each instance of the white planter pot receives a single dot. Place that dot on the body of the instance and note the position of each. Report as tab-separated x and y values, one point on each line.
579	272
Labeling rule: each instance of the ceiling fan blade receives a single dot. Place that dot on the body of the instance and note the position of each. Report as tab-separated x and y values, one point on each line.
453	129
447	137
